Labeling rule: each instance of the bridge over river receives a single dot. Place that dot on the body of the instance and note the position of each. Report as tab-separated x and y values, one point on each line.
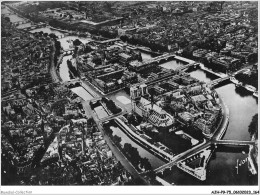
207	144
217	81
202	147
159	59
233	143
73	82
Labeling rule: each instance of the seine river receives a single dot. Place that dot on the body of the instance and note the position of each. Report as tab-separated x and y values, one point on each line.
242	106
221	168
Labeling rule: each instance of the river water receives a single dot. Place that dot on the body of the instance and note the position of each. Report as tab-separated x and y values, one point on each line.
242	106
64	73
172	64
64	70
81	92
4	11
15	18
146	56
22	26
221	169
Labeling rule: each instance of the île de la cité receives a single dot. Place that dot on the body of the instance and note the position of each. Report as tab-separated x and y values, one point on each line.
116	93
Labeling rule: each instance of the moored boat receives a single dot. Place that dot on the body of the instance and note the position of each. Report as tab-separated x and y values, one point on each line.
250	88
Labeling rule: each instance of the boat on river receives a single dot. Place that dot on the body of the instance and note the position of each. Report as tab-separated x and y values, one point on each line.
250	88
234	80
239	84
255	94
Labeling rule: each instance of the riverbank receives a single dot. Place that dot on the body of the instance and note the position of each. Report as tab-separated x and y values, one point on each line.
52	69
221	129
118	154
221	137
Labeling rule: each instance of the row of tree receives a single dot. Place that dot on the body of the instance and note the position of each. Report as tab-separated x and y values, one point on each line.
253	126
73	69
251	79
110	104
129	151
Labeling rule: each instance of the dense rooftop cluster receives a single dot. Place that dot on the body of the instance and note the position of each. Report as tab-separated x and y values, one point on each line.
194	105
48	139
35	111
190	102
230	33
27	97
80	155
227	28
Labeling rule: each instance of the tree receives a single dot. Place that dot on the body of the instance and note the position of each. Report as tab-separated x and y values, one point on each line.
145	162
253	126
124	38
53	36
103	99
140	58
77	42
90	122
58	47
7	19
117	139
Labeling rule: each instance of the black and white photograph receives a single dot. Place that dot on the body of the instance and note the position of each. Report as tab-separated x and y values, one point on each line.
143	94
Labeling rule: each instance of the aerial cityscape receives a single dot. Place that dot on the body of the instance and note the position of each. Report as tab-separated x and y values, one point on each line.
119	93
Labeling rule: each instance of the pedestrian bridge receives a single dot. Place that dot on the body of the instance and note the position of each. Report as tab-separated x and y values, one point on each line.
107	41
182	156
159	59
233	143
175	160
217	81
